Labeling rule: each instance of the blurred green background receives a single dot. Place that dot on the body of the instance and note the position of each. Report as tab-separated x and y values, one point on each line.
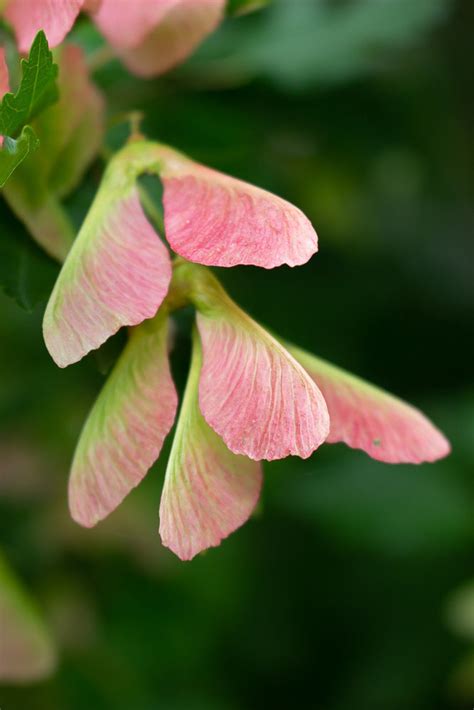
340	592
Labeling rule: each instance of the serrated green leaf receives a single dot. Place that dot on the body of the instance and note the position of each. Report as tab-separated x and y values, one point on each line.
37	89
15	151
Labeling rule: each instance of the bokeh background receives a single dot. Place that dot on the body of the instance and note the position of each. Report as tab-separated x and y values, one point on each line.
343	591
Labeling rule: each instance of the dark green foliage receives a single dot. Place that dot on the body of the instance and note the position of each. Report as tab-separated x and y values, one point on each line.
299	44
26	273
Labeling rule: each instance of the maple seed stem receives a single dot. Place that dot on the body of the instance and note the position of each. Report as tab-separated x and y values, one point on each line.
135	119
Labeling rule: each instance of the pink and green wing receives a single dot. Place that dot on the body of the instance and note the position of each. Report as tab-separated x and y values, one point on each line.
4	79
27	653
152	37
125	25
215	219
125	430
209	492
365	417
116	274
55	17
252	392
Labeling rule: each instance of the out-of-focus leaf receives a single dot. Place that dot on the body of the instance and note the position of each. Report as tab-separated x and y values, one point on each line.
461	682
460	611
305	42
26	650
37	89
71	131
14	152
242	7
26	273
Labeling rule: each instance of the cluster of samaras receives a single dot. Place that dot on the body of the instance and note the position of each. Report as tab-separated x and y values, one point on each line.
249	397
